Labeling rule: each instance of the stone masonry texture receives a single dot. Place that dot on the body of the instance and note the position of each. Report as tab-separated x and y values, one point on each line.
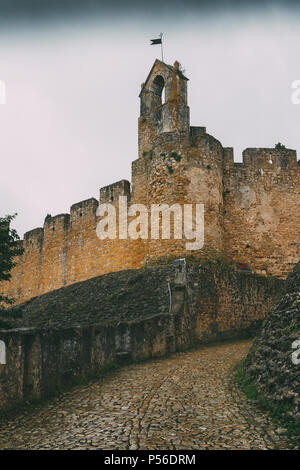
269	363
73	333
251	209
184	402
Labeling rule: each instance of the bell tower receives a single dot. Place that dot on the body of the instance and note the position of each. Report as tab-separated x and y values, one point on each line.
164	108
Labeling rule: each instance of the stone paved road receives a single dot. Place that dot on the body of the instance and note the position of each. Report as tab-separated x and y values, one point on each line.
183	402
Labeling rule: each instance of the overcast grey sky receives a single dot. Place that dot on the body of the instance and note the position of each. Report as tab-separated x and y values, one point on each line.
70	123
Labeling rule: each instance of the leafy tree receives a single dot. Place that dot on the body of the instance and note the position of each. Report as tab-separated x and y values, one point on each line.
9	248
280	146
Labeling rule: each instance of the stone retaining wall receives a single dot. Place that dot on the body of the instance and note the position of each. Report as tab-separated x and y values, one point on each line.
41	362
156	311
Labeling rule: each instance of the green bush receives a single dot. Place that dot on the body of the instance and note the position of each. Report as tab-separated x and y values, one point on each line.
278	412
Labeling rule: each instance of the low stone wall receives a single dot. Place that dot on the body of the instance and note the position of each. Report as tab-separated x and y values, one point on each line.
228	304
40	362
75	332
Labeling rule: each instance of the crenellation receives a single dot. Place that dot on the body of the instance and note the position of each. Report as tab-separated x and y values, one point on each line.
270	158
83	208
251	208
57	222
112	192
33	237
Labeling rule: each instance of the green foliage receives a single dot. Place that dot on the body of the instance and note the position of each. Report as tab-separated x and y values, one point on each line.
280	146
280	413
176	156
10	248
226	192
170	169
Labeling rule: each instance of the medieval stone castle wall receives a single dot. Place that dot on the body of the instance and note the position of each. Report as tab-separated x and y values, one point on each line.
251	209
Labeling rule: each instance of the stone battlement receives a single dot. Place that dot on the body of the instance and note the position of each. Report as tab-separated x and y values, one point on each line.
264	158
251	208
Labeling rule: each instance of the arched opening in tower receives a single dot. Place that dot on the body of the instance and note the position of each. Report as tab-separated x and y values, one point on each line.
157	89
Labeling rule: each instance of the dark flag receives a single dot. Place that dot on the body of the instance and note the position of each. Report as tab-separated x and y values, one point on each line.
158	41
155	41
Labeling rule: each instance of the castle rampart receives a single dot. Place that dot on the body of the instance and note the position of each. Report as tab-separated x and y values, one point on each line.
251	208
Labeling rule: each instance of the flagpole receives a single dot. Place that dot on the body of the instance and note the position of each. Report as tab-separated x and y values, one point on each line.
158	41
162	53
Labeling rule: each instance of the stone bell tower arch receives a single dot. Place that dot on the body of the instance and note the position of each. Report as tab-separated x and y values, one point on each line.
163	105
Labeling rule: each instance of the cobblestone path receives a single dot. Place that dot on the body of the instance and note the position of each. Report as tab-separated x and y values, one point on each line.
186	401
